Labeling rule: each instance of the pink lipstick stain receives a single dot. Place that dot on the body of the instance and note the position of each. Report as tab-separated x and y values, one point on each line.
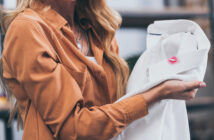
173	60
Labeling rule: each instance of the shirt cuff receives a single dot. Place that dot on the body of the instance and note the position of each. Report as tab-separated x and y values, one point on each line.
134	108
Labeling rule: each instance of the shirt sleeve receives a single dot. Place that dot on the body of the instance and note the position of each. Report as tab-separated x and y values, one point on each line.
54	92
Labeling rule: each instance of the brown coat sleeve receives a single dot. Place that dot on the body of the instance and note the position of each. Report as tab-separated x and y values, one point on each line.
54	92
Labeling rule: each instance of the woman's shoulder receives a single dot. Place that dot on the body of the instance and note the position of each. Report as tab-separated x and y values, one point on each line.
29	15
26	20
26	28
25	37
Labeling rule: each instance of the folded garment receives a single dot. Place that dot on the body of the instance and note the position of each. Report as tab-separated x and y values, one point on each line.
176	49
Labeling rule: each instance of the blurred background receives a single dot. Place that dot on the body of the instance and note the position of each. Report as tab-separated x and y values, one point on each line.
137	15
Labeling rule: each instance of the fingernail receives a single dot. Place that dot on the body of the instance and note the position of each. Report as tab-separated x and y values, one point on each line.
203	85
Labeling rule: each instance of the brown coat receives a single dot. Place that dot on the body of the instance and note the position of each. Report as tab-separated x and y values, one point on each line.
61	94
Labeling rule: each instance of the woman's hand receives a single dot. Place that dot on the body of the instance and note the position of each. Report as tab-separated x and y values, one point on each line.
181	90
173	89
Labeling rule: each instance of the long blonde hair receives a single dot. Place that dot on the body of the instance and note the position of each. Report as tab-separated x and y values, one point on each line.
105	22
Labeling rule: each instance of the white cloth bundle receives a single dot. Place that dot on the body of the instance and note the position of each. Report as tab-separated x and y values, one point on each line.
176	49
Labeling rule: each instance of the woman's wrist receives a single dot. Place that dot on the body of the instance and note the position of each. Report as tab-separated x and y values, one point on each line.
153	95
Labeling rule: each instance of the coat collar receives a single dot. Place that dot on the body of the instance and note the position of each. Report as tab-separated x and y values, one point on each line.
54	18
58	22
49	14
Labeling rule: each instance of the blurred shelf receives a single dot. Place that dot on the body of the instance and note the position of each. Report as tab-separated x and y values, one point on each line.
4	111
4	116
144	17
4	107
200	103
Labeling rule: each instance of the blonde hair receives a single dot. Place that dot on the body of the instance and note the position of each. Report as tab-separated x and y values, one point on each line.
104	21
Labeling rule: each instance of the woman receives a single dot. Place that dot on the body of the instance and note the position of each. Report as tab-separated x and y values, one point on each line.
61	93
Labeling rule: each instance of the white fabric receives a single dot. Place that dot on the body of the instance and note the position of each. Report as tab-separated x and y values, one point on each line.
176	49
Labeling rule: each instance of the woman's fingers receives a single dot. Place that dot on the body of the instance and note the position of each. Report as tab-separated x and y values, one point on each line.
175	89
203	85
181	86
188	95
194	85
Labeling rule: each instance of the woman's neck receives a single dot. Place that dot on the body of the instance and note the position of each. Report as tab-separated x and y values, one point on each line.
65	9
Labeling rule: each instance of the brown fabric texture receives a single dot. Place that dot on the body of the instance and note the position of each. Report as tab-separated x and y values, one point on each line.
61	94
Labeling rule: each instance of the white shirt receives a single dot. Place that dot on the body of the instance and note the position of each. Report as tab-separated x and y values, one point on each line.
176	49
